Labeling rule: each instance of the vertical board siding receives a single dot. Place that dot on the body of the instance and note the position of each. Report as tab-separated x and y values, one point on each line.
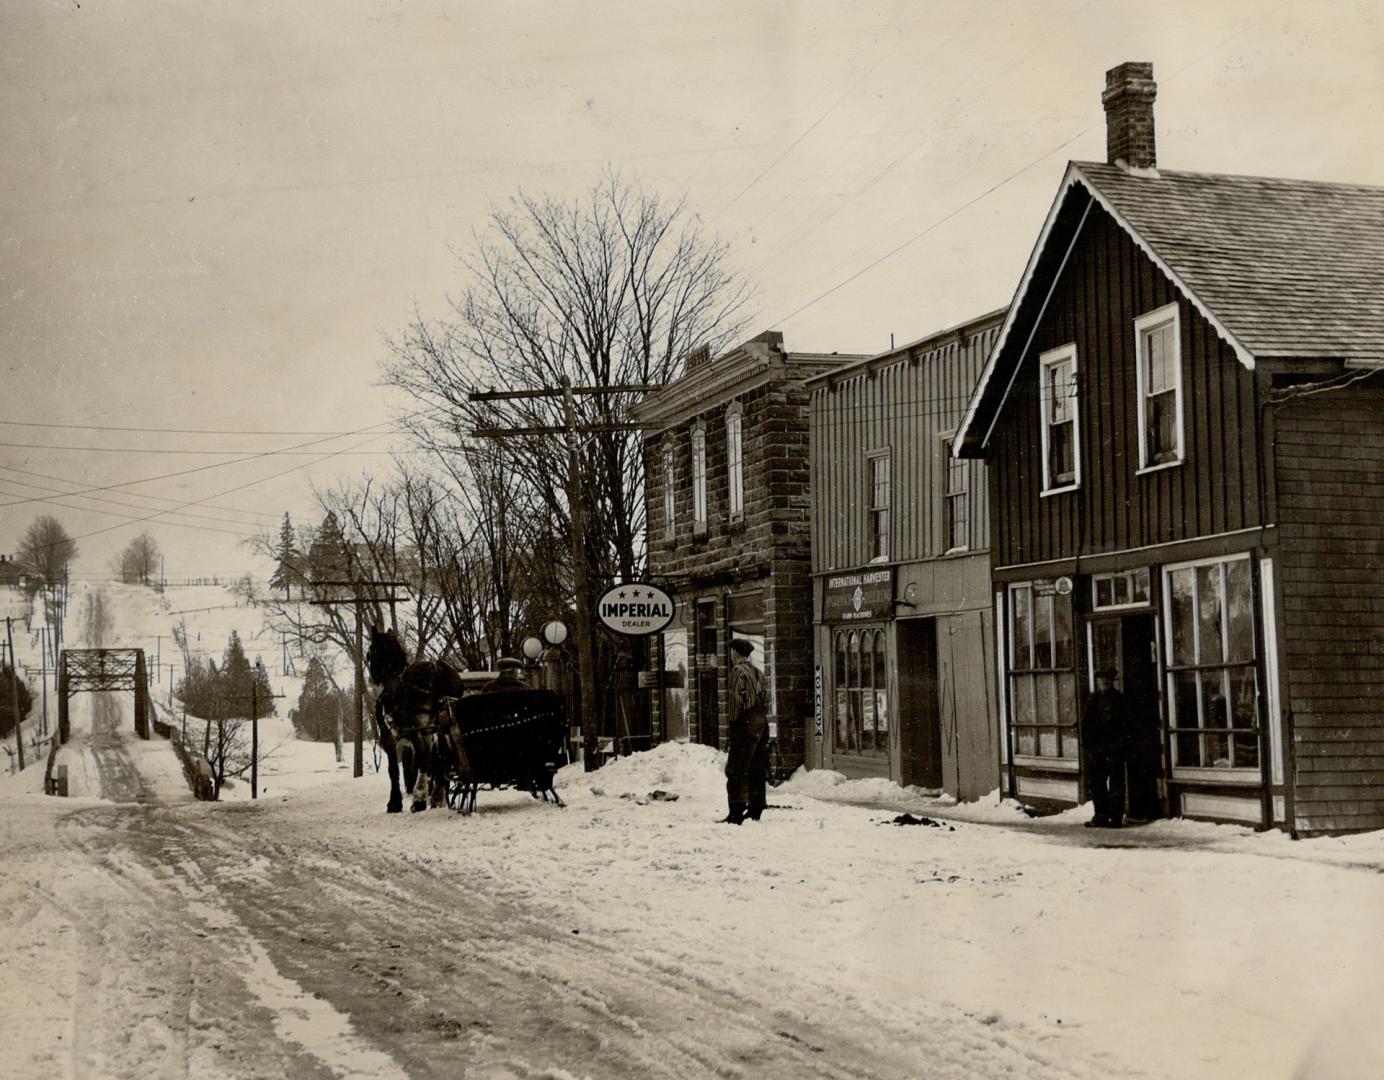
1108	283
904	405
1329	458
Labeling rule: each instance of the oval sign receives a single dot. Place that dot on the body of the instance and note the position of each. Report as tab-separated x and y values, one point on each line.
635	608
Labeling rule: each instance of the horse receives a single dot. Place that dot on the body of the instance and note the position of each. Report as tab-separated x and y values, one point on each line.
413	697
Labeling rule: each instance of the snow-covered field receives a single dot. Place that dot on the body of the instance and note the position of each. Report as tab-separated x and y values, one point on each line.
633	934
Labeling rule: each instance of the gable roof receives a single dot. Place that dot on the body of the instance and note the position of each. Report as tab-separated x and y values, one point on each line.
1281	268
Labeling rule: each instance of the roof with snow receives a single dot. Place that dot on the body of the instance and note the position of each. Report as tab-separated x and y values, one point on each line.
1282	268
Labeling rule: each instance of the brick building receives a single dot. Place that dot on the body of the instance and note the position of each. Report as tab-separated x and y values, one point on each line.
726	486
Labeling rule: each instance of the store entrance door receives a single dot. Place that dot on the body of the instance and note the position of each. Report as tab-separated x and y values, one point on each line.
1129	643
920	720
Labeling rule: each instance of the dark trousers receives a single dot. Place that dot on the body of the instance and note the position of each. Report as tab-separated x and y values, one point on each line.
1105	784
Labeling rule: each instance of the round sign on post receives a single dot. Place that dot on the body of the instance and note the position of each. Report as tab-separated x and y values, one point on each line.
635	609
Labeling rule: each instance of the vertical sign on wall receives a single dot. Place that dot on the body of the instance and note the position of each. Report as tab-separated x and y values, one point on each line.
817	699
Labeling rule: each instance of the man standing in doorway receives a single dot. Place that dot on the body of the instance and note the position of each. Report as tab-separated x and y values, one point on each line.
1103	739
747	750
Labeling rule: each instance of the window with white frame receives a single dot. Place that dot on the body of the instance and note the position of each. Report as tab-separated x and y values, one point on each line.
735	461
1212	690
1042	672
1124	588
1158	338
879	506
954	517
669	484
1058	404
699	477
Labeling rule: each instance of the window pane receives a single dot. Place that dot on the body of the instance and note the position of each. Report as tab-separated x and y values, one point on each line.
1020	598
1105	592
840	660
881	678
1243	713
1159	358
1066	698
1061	453
1139	592
1023	700
1027	741
1059	392
1071	745
1181	582
1187	749
1215	706
1042	631
1047	742
853	677
1246	750
1120	590
1185	700
1064	654
1045	699
1160	419
1217	750
1209	614
1240	610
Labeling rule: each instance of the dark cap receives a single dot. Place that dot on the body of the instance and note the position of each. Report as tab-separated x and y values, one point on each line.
509	663
743	647
1108	672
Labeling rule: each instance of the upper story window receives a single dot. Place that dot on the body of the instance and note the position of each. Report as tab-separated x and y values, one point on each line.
1058	403
954	515
1158	339
879	506
699	477
735	461
669	478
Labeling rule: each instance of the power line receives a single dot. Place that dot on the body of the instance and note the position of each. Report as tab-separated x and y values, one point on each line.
172	430
285	452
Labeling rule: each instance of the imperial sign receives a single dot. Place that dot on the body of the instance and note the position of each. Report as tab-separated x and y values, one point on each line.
635	609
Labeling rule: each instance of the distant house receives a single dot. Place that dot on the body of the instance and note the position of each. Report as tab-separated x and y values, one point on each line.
903	624
1184	425
726	486
11	576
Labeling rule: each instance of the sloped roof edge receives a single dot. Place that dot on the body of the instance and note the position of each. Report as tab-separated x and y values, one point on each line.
966	433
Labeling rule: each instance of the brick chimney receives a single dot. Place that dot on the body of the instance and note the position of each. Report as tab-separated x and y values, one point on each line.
1128	101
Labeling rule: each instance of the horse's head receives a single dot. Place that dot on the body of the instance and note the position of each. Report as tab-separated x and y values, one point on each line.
385	657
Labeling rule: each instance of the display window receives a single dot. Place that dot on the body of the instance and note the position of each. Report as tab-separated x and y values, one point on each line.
1042	672
861	708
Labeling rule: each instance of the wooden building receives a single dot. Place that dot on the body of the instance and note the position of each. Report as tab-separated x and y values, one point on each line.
902	624
1185	439
726	475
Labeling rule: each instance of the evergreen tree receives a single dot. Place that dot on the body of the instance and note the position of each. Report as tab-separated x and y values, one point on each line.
289	571
26	702
315	718
328	557
263	691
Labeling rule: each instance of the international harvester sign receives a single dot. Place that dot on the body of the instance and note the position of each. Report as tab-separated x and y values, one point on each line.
867	594
635	609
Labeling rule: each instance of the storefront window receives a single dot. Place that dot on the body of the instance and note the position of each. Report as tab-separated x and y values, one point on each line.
861	691
675	719
1211	665
1042	671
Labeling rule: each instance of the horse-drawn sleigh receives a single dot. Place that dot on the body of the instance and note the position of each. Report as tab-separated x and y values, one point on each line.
449	743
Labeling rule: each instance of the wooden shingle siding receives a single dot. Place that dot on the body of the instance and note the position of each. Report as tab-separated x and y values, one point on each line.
1108	282
903	403
1329	458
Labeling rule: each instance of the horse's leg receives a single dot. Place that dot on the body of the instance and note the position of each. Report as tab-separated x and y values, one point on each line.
408	761
391	753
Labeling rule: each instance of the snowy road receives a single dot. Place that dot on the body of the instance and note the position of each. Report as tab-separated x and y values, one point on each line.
309	934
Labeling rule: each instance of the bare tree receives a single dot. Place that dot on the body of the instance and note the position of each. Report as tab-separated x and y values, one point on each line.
610	290
45	551
139	561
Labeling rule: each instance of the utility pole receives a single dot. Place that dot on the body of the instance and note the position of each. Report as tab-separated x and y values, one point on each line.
358	767
14	692
254	741
576	502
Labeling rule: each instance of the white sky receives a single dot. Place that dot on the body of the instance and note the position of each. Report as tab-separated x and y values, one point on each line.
210	215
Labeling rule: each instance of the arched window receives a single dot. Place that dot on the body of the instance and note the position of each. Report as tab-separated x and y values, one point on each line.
669	482
861	692
735	461
699	477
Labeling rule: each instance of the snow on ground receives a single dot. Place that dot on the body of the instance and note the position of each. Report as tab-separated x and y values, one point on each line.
983	944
